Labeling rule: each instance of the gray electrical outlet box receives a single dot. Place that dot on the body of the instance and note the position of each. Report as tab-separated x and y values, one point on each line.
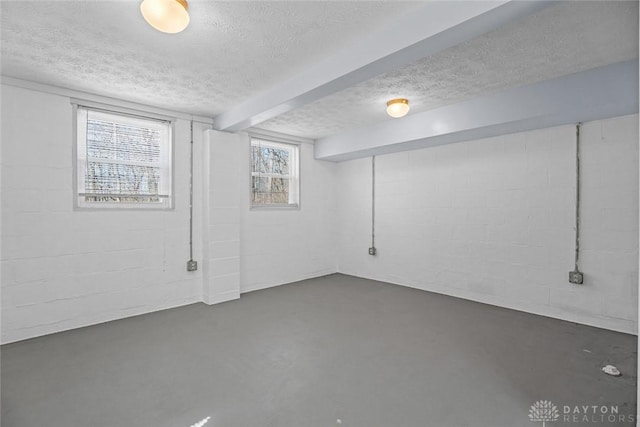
192	265
576	277
372	251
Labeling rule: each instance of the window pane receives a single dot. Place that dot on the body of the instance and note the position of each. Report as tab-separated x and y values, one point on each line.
123	160
270	190
110	178
117	141
274	173
270	160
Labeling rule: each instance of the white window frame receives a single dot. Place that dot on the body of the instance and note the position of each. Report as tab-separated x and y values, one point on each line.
165	126
293	177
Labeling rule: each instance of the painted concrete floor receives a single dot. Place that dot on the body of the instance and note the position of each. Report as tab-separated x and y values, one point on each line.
332	351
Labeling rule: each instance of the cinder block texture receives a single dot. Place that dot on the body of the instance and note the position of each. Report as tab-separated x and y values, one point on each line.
64	268
493	220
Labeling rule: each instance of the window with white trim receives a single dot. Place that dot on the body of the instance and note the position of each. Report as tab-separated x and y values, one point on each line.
123	161
274	174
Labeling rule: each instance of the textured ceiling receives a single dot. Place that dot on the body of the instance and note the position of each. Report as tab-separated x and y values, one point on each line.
561	39
235	50
230	51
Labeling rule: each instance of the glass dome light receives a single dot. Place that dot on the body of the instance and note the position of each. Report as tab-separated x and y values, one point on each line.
398	107
168	16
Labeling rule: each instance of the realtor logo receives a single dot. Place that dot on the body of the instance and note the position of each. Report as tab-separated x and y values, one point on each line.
543	410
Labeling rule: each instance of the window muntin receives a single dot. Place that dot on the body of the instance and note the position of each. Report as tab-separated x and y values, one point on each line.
274	174
122	161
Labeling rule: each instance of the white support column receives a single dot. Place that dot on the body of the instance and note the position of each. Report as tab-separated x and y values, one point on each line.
221	238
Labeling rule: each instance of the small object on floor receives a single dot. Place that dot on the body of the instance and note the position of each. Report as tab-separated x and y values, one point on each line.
201	422
586	351
611	370
338	421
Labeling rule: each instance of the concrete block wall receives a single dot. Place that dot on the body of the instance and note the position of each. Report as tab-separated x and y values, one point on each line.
63	269
488	220
493	221
247	249
281	246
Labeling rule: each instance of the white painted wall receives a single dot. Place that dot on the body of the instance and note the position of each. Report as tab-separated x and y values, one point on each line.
64	269
247	249
488	220
281	246
492	220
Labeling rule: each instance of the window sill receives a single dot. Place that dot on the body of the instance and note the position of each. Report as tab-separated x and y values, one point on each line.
275	207
85	206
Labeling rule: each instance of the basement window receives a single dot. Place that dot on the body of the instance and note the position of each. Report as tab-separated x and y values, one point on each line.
274	174
123	161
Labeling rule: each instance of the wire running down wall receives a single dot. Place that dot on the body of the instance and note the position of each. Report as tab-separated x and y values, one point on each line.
492	220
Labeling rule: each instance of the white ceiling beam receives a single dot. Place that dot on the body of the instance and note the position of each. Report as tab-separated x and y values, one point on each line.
599	93
436	26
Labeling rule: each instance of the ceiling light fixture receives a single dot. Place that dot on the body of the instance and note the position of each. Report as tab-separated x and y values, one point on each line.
398	107
168	16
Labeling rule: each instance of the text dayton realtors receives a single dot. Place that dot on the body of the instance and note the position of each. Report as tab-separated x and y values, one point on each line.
595	414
